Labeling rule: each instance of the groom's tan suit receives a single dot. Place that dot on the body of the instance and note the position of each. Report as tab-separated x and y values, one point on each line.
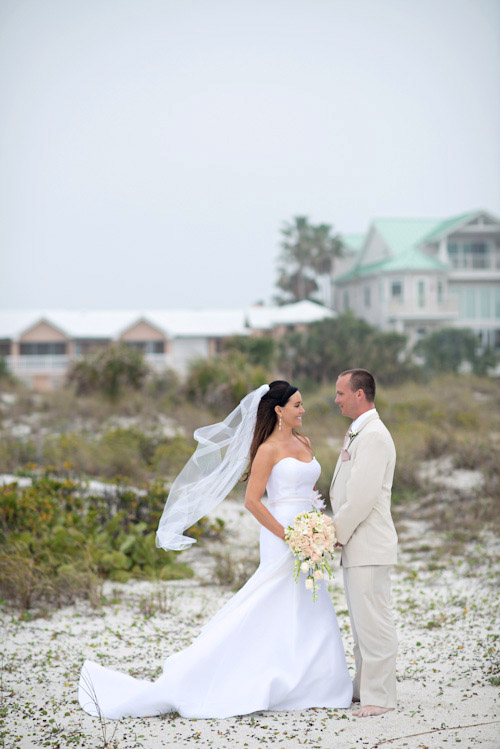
361	500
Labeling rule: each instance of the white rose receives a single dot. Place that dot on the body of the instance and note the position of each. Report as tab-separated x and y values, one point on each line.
304	567
318	575
309	583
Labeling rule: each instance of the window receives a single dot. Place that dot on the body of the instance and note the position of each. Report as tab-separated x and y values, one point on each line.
421	293
484	303
470	303
453	254
397	291
367	294
477	301
147	347
440	292
42	349
4	347
88	345
475	255
479	255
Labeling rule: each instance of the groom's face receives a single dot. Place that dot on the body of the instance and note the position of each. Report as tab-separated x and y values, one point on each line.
347	400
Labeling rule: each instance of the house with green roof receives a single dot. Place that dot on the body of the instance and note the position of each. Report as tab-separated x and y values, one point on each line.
416	275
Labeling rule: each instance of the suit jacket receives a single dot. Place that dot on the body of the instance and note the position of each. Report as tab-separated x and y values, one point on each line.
360	493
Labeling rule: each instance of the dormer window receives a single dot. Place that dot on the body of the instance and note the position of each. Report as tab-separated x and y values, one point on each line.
473	255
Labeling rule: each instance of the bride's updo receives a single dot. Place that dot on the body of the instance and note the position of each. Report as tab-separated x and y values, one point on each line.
279	394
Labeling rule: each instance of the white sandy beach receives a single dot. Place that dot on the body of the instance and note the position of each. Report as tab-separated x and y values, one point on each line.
447	617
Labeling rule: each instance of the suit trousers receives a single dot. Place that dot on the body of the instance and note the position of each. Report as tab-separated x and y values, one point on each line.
368	593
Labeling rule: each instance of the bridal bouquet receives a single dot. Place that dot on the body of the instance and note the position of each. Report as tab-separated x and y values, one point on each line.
311	539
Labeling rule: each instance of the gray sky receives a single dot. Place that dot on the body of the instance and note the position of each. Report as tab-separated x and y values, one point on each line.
150	149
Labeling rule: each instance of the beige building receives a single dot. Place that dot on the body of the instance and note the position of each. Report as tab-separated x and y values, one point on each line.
39	347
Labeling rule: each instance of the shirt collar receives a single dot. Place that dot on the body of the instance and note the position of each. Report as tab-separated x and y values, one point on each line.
357	422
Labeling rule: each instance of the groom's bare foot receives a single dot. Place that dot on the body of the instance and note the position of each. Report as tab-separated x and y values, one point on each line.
368	710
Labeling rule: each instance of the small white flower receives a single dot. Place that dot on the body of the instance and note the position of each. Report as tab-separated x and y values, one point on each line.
318	575
304	567
309	583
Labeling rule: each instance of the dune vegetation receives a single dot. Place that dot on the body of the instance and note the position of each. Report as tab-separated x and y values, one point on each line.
89	473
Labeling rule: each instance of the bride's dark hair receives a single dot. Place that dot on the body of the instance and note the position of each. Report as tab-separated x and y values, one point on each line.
279	393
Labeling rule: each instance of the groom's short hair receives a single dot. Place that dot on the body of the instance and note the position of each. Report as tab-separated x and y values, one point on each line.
362	379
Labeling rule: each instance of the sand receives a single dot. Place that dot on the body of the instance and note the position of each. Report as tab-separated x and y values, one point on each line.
447	617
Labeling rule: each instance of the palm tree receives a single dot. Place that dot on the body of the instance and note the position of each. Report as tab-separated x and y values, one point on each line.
307	252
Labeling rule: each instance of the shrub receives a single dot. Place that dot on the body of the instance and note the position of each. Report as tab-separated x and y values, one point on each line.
223	381
129	453
447	349
330	346
56	545
259	351
6	376
109	371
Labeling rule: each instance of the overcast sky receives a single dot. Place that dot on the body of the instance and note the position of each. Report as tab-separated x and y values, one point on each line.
152	149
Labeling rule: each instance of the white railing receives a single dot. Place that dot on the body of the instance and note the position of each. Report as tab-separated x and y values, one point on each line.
159	361
38	363
60	363
446	308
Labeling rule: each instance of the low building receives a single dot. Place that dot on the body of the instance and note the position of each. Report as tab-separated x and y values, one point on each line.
417	275
39	346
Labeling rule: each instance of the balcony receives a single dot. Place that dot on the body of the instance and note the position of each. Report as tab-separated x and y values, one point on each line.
59	363
38	363
159	362
445	310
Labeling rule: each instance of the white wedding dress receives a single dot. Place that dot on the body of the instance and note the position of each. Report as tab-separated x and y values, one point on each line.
269	648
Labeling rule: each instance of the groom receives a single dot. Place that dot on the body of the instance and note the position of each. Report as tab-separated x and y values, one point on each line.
361	500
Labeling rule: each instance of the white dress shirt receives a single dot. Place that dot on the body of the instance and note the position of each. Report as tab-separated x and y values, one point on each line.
357	422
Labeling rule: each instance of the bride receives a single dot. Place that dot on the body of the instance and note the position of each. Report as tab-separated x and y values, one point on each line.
270	647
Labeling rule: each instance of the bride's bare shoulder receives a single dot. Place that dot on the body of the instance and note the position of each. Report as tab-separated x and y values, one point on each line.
266	449
305	440
265	457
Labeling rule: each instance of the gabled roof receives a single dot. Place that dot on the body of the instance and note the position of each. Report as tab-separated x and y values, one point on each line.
400	234
411	260
403	238
262	318
199	322
178	323
353	242
450	225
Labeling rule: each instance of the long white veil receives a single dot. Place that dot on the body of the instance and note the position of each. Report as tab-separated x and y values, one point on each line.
209	475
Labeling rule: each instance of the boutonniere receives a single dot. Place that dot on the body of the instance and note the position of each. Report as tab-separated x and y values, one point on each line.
344	453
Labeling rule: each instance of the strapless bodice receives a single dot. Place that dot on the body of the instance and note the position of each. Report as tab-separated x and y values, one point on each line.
292	480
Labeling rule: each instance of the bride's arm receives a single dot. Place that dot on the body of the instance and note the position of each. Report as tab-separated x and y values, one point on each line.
261	468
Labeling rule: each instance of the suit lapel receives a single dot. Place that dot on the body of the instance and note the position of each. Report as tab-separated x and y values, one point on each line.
368	419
